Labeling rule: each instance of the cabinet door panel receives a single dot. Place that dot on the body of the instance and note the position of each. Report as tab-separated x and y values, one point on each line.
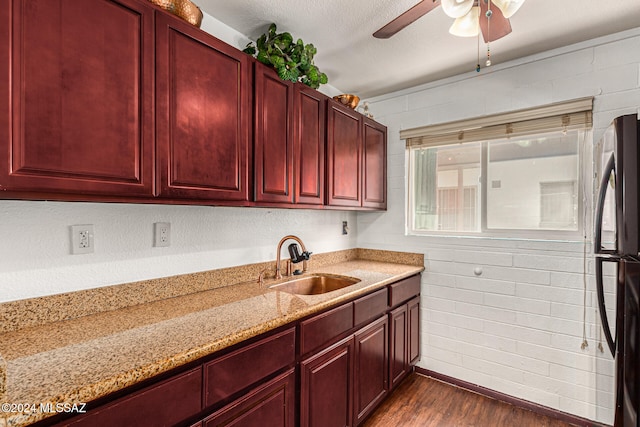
309	156
326	387
371	367
413	338
398	366
203	109
375	165
81	97
273	137
272	404
344	155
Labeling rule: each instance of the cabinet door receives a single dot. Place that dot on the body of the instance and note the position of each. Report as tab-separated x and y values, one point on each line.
203	114
273	149
371	368
76	97
272	405
309	146
413	335
326	387
344	155
398	364
374	177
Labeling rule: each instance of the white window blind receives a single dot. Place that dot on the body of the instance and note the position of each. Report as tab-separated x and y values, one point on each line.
561	116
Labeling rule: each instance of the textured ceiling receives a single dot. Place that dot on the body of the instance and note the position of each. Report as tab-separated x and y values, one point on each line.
358	63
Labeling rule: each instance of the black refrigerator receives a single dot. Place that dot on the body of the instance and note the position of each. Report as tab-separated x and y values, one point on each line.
617	248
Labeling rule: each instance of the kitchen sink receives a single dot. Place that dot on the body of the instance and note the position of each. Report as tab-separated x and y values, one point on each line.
315	284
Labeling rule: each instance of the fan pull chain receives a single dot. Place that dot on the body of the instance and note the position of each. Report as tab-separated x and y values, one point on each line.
489	13
478	64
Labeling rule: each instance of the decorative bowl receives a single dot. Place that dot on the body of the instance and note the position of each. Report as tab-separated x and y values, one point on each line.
185	9
348	99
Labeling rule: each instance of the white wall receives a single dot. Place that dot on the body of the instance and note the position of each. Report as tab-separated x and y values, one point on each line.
516	328
35	257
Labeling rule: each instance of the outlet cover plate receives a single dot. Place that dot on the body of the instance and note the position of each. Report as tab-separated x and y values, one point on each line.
161	234
82	241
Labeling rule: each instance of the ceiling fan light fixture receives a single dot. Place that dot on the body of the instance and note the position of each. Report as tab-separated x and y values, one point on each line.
508	7
467	25
456	8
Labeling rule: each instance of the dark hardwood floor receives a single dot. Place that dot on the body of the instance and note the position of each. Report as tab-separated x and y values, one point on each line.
426	402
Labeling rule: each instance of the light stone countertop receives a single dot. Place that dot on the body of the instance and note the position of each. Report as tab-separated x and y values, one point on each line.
82	359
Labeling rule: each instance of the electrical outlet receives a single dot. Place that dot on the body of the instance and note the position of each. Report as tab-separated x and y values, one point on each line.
82	239
162	234
345	227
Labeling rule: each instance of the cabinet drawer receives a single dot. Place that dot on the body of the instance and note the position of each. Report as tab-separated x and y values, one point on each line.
403	290
369	307
166	403
241	368
324	327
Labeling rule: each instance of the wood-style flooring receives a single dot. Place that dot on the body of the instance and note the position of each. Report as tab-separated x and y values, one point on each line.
424	402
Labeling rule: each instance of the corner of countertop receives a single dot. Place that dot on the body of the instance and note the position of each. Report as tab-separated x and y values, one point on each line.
394	257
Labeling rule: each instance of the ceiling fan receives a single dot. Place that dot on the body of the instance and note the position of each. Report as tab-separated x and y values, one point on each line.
471	17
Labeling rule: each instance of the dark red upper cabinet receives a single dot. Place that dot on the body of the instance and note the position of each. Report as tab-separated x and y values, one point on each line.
273	136
76	97
203	102
374	186
344	156
309	145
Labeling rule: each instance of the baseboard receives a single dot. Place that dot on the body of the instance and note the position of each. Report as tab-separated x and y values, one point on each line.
533	407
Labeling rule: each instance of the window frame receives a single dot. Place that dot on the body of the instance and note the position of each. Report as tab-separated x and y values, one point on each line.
583	183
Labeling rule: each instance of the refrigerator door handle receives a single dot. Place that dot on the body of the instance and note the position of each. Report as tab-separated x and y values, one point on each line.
601	306
604	184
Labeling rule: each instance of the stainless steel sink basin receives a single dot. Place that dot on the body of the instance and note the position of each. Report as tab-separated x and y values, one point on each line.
315	284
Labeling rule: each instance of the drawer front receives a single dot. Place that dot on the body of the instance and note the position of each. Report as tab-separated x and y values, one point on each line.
369	307
239	369
166	403
403	290
324	327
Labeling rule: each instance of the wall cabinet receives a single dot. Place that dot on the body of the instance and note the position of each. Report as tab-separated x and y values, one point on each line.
76	97
374	175
356	159
116	100
203	115
309	145
344	156
273	136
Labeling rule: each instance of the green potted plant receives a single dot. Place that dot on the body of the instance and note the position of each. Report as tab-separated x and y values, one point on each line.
292	60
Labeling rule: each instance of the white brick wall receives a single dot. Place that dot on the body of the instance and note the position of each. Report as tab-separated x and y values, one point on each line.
517	328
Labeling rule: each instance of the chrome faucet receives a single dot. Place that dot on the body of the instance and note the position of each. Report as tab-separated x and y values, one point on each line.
304	256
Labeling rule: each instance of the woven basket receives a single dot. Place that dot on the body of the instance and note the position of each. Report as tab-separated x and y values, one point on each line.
185	9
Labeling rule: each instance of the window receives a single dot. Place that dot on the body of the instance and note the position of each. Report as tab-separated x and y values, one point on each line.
522	184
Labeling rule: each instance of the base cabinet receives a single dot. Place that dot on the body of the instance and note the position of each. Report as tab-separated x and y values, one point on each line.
371	368
325	387
272	405
404	348
331	369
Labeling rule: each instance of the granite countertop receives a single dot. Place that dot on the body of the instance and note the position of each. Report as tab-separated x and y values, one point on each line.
84	358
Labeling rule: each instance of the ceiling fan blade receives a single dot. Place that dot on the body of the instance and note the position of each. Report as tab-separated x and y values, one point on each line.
500	26
417	11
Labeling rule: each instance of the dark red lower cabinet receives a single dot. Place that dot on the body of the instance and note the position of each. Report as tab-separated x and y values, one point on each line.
371	368
326	386
271	405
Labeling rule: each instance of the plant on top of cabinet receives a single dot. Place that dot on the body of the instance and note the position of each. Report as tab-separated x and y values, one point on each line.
292	60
